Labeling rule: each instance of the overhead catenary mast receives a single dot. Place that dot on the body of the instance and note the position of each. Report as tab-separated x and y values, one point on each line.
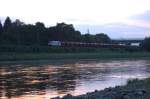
88	31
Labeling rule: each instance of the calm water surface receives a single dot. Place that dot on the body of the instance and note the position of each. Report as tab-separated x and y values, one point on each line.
42	80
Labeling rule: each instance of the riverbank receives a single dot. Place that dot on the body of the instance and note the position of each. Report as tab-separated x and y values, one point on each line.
135	89
13	56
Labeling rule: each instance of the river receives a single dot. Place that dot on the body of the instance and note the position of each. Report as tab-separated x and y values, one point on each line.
46	79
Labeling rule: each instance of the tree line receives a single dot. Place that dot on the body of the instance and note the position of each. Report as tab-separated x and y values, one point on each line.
19	33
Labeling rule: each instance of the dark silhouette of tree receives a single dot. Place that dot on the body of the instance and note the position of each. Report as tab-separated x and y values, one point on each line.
15	31
1	29
7	31
102	38
7	24
40	24
88	38
18	23
40	32
62	31
77	36
65	32
146	44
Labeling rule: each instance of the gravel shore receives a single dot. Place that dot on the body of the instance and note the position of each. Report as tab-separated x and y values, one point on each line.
135	89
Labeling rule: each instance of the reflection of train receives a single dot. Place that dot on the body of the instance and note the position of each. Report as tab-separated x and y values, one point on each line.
81	44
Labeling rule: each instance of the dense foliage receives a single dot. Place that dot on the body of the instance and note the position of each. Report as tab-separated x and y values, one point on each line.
19	33
146	44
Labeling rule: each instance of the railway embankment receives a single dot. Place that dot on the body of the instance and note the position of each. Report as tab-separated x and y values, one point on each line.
15	56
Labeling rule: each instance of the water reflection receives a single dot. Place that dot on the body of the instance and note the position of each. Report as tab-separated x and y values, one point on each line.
43	81
25	79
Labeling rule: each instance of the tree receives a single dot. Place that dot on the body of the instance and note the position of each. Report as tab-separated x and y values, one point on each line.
102	38
7	31
1	28
40	24
77	36
65	32
40	29
17	23
15	31
88	38
146	44
7	24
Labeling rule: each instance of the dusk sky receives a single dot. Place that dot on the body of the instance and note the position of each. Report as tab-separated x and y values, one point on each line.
117	18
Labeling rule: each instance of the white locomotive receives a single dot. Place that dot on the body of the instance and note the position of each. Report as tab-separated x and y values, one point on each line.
54	43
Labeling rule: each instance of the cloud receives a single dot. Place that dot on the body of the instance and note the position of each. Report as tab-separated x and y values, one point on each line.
140	20
142	17
2	19
52	11
138	26
116	30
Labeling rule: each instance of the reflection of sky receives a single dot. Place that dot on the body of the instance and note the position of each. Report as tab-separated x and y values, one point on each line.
45	81
93	85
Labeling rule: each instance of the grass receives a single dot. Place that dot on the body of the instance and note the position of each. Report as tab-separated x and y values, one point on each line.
11	56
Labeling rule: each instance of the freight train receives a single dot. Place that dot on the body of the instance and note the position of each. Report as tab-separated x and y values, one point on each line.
94	45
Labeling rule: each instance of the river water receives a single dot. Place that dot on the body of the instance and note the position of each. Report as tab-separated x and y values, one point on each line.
44	79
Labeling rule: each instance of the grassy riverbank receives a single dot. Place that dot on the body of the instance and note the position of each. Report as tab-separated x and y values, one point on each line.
135	89
12	56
